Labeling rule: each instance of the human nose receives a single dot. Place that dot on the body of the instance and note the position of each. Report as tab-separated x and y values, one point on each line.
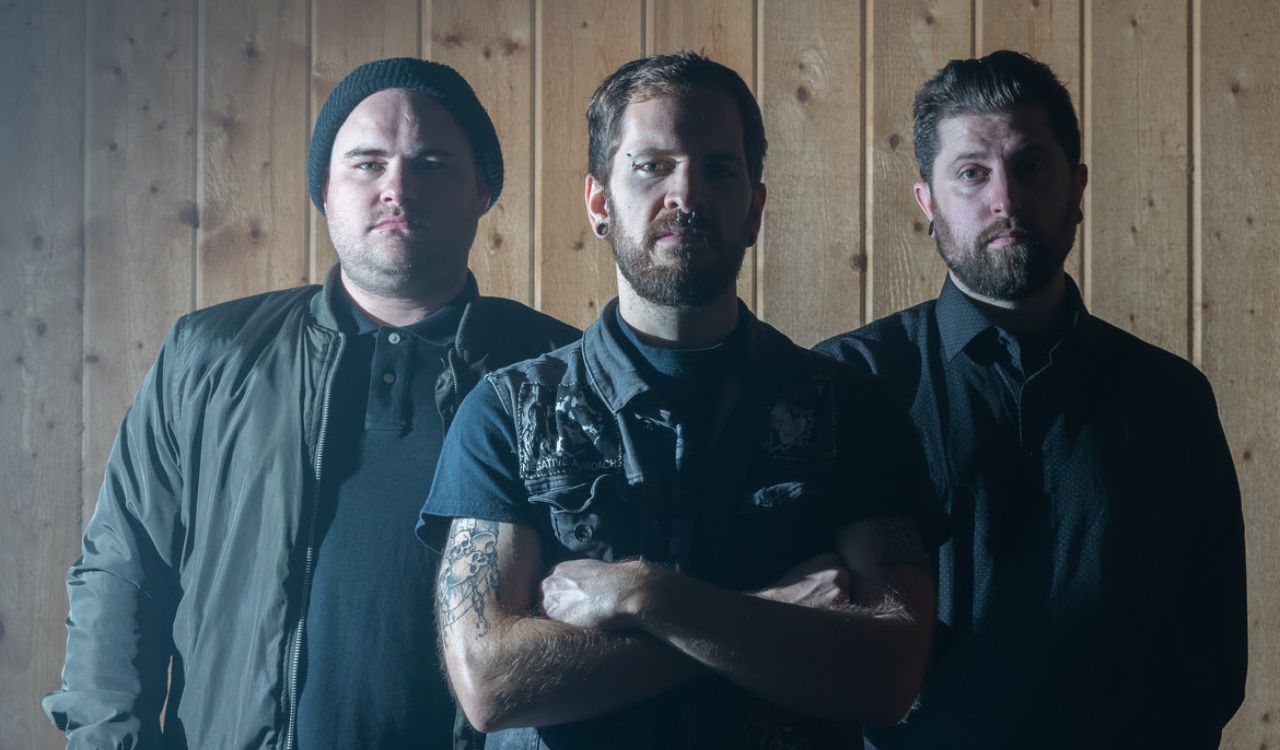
396	185
683	193
1005	193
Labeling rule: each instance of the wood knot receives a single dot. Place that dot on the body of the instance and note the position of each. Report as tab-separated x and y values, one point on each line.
802	94
189	215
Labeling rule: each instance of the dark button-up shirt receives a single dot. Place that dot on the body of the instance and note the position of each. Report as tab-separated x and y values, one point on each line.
1092	594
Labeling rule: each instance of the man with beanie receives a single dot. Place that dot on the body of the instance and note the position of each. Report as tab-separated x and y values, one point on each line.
251	559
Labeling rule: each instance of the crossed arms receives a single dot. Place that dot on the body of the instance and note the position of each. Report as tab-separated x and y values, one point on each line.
843	637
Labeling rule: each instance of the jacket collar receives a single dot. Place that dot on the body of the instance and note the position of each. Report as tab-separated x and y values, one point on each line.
469	345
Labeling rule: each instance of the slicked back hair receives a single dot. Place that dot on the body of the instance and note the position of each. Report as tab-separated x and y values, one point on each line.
999	82
673	74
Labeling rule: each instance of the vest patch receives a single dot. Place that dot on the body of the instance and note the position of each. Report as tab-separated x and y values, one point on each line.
560	430
801	423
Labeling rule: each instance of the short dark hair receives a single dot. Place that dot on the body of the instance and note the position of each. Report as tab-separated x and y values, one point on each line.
999	82
671	74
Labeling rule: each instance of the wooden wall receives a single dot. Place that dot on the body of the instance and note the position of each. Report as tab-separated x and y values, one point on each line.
152	161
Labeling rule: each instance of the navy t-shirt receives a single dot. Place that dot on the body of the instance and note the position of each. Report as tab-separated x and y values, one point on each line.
756	510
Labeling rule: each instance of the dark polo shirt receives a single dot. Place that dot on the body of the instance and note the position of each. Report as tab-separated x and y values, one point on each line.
372	677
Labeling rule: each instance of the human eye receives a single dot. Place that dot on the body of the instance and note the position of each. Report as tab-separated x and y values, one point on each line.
971	174
430	164
368	166
1031	166
724	170
649	167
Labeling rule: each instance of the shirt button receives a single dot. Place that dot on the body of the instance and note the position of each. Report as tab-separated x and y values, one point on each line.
388	377
393	337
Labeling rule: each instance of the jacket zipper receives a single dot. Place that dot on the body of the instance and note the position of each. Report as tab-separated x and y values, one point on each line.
295	658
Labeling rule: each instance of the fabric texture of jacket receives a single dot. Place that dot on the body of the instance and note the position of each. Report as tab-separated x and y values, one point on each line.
201	544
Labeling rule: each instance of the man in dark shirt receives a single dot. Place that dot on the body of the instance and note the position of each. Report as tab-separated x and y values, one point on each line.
635	485
255	528
1092	594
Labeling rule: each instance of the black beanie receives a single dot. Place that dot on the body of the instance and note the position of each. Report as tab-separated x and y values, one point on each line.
440	82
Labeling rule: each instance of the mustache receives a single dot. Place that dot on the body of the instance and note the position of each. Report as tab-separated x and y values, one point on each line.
1001	226
697	227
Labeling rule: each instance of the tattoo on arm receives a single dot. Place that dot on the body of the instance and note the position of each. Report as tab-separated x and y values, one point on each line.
901	544
469	574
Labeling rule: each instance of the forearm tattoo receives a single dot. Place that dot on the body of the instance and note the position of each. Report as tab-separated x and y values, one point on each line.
901	544
469	574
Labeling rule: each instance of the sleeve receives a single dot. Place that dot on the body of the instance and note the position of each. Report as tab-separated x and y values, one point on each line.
1214	637
882	468
122	591
478	474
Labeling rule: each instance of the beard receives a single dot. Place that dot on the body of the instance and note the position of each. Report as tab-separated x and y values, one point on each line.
702	266
1008	273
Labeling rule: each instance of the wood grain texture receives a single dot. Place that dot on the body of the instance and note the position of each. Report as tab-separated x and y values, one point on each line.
41	276
141	203
1049	32
345	35
723	30
1140	262
1240	145
100	119
579	43
490	42
911	39
253	175
813	258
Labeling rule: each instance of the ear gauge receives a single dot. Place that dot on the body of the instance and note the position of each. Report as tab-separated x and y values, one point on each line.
602	229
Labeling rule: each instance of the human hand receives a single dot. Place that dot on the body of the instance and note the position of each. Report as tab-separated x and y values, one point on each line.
822	581
595	594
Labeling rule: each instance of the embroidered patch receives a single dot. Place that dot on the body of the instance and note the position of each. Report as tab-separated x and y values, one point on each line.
562	430
802	423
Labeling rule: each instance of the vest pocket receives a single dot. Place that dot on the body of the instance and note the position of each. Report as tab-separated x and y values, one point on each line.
585	517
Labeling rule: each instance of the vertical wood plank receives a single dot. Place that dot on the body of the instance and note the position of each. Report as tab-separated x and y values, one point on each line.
1240	90
1049	32
723	30
579	43
253	172
142	215
344	36
490	43
1140	173
911	39
41	275
813	258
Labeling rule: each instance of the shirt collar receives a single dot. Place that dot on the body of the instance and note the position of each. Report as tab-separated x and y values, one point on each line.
615	367
960	321
438	329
